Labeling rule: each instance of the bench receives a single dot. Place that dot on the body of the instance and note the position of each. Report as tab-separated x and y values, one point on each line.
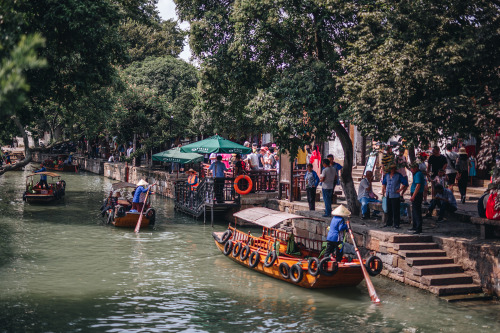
489	228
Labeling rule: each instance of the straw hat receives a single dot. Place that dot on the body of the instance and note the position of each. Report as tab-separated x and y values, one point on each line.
192	171
341	211
462	151
142	182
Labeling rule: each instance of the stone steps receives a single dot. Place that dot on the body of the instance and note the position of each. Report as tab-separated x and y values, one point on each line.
437	269
422	253
425	261
454	289
446	279
430	268
415	246
410	239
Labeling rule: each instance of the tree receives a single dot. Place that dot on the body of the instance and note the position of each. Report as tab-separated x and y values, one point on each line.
154	39
13	85
425	70
259	56
175	81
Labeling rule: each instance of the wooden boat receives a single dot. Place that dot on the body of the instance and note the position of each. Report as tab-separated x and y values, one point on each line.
266	253
35	194
121	215
49	165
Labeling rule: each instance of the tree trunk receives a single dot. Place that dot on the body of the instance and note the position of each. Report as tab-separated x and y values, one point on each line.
346	174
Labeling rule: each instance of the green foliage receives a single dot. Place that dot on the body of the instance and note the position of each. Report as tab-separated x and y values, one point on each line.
300	104
418	68
13	83
157	39
175	81
140	110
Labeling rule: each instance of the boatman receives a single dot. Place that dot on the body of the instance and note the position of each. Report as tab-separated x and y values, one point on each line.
138	201
336	226
43	178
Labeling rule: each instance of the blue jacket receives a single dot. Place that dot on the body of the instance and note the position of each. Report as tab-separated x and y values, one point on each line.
316	178
336	226
42	177
137	194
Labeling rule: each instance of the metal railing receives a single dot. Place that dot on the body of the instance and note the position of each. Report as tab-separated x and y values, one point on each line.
208	192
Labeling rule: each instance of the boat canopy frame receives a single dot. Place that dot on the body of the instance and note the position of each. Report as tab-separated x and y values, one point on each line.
267	218
122	185
46	173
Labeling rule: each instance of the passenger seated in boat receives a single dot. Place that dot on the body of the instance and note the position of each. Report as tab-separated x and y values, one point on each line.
336	226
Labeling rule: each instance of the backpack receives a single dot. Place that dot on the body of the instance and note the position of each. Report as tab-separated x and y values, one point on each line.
462	165
450	161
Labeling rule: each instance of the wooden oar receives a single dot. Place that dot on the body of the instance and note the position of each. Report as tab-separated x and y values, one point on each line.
138	225
369	284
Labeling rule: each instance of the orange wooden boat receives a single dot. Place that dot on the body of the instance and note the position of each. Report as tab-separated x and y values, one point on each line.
35	194
121	215
266	253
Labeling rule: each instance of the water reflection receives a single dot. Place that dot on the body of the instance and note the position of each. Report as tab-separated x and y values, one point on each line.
62	269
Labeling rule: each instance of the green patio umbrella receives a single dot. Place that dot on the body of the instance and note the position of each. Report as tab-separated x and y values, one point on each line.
175	155
216	144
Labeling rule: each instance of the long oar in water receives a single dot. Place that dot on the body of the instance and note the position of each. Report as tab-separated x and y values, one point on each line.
369	284
138	225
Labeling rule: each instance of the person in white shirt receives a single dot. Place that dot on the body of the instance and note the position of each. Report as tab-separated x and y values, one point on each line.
366	195
328	179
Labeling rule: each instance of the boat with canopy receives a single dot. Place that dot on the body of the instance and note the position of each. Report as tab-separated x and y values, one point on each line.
288	257
118	210
36	194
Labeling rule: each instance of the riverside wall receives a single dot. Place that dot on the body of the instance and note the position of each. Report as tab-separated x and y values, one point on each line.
479	258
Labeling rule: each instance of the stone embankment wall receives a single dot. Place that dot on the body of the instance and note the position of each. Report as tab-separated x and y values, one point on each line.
479	258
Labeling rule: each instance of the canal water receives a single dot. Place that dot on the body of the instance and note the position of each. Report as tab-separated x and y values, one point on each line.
63	270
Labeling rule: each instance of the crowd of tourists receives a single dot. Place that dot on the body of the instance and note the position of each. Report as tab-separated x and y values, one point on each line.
436	175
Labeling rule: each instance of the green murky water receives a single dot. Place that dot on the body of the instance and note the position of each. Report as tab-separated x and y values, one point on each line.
63	270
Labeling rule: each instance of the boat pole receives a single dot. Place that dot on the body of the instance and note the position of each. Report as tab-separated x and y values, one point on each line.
369	284
138	225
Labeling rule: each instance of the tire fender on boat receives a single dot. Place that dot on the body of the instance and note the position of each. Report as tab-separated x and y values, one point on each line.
63	183
228	247
313	266
151	215
323	265
296	269
374	265
271	255
254	259
225	236
24	196
120	211
237	249
284	269
245	252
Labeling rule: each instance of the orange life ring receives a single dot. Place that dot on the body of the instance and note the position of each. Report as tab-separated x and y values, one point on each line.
250	184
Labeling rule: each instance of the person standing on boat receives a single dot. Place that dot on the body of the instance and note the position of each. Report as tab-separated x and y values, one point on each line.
336	226
138	201
43	178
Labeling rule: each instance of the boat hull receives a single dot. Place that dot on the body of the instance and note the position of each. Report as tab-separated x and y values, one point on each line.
65	168
348	275
130	220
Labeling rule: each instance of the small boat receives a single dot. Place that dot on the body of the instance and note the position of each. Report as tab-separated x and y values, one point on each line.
62	167
267	253
118	210
35	194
